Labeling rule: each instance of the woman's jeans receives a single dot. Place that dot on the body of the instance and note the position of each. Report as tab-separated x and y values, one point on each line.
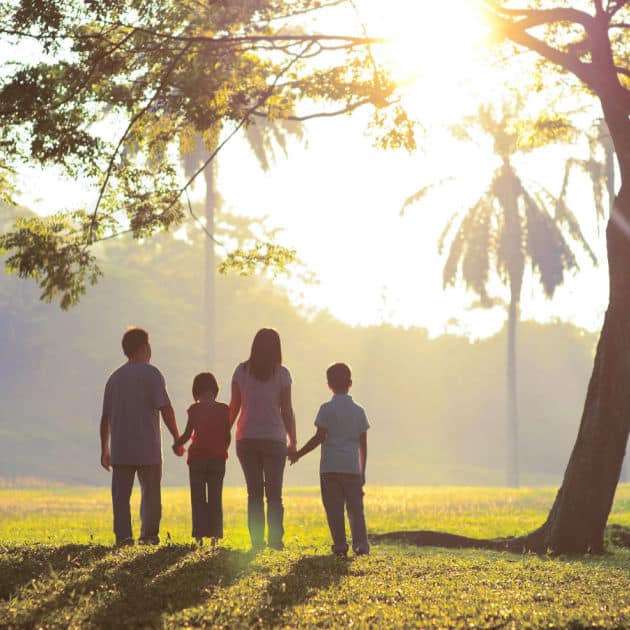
263	466
206	488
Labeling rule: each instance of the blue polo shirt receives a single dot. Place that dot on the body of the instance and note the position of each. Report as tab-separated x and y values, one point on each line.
344	422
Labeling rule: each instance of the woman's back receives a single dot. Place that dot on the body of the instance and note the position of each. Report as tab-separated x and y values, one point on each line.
261	416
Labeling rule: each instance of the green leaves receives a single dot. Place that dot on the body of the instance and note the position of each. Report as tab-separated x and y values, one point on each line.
52	252
246	261
122	88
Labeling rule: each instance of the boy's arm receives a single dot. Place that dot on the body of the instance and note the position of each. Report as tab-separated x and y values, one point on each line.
313	443
235	403
363	453
105	456
168	415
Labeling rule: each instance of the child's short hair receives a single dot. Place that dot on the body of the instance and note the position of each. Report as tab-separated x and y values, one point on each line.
204	382
133	340
339	377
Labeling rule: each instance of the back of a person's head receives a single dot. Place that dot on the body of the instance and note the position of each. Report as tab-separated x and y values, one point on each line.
133	340
339	378
204	382
265	355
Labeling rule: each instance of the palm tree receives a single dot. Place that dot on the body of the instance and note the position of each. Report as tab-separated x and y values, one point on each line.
599	168
264	138
511	227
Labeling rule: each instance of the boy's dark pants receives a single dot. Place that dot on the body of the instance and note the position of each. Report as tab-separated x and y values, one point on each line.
263	466
341	491
206	488
150	477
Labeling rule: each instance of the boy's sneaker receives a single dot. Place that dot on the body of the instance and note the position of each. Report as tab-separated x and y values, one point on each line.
149	540
125	542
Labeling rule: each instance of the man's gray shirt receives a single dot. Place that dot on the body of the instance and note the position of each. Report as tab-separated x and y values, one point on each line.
134	394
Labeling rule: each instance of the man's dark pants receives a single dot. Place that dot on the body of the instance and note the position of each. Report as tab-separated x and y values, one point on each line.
263	464
150	477
341	491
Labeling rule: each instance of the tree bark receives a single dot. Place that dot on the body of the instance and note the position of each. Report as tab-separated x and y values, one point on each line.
578	516
209	301
512	404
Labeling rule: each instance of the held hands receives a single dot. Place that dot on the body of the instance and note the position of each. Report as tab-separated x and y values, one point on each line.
292	453
178	450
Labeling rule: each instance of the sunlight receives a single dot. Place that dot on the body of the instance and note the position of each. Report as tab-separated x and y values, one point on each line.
435	48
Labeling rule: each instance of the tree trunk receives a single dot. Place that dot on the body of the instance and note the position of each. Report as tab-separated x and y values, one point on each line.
512	405
209	301
578	516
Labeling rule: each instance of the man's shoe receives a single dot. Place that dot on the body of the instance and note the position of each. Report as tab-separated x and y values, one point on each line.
149	540
125	542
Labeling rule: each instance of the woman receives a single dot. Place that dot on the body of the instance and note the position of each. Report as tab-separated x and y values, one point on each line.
261	392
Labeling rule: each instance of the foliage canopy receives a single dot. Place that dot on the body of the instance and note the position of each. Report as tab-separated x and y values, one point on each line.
114	91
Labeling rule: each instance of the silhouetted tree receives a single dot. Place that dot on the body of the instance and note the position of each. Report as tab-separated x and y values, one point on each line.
263	137
510	227
587	41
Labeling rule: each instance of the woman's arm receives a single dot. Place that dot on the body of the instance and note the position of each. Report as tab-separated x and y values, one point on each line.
288	417
235	403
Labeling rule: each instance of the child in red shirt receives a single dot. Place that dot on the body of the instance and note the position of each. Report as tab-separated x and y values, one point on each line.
209	427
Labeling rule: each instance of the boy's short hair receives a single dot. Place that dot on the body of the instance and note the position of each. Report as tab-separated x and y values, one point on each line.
133	340
204	382
339	377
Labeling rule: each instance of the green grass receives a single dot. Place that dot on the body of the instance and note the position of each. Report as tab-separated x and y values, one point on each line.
58	569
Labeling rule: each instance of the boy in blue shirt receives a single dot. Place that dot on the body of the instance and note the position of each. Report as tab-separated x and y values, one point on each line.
341	430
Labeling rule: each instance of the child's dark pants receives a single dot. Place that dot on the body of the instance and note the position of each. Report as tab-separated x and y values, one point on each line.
206	489
341	491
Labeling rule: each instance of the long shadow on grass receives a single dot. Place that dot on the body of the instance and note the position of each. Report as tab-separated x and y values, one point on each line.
21	564
305	579
135	590
151	586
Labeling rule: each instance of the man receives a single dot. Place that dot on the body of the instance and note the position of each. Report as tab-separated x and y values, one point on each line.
135	395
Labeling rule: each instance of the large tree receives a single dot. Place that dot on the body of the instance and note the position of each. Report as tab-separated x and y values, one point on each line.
513	226
109	90
588	43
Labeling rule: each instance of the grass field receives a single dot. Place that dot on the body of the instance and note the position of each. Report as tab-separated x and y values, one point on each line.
58	568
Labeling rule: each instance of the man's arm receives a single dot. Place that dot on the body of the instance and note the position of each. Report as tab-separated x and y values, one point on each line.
363	453
288	417
168	415
105	456
235	403
313	443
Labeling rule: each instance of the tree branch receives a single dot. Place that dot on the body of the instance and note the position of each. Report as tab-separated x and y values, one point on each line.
339	112
132	122
260	101
536	17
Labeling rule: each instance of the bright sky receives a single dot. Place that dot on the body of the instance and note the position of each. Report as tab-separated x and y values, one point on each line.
338	199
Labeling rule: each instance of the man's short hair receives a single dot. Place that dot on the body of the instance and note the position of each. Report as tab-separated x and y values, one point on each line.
339	377
204	382
133	340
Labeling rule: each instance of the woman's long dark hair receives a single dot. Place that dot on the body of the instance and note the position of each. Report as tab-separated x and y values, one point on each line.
266	354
